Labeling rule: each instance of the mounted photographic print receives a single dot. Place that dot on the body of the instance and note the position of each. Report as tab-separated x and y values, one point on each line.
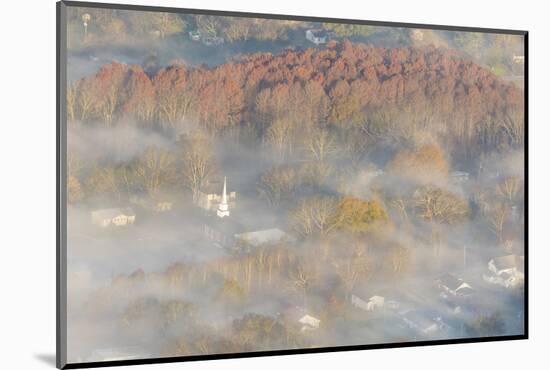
236	184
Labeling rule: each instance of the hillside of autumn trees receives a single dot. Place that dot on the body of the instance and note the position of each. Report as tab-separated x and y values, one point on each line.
402	95
350	149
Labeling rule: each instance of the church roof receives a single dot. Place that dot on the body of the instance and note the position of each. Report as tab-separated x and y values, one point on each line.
510	261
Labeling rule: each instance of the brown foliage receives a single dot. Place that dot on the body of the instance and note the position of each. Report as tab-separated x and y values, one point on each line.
344	85
425	165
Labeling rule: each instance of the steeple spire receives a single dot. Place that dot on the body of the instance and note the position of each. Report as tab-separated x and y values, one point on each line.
223	207
224	195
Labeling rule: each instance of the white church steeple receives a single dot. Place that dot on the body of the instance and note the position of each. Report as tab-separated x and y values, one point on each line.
223	207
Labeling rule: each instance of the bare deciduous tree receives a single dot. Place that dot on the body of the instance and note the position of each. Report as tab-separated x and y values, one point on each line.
278	184
279	137
510	189
71	102
438	206
302	277
154	170
320	145
74	190
197	163
316	215
496	217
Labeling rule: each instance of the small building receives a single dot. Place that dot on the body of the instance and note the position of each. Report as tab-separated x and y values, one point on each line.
375	302
221	229
451	285
113	217
317	36
195	35
263	237
459	177
507	271
210	196
426	323
518	59
223	206
299	316
417	34
117	354
227	230
309	322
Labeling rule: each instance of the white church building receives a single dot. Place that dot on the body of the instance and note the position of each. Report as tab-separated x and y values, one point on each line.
237	232
210	197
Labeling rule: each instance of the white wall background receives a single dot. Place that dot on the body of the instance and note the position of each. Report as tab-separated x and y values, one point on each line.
27	170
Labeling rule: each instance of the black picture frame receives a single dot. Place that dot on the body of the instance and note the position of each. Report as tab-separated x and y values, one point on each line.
61	217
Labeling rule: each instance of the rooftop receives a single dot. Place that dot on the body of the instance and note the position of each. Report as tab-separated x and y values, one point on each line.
510	261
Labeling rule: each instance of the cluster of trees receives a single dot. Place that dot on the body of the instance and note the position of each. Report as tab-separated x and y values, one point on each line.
322	216
232	283
347	30
493	50
426	164
240	28
115	25
195	335
400	95
154	172
341	247
252	332
502	207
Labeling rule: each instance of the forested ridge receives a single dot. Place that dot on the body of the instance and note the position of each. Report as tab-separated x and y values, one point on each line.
392	92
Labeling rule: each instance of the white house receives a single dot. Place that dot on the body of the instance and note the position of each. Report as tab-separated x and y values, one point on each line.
309	322
518	59
317	36
195	35
417	34
113	216
451	285
374	302
299	315
507	271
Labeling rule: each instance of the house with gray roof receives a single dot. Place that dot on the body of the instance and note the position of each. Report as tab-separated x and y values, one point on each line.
113	217
507	271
